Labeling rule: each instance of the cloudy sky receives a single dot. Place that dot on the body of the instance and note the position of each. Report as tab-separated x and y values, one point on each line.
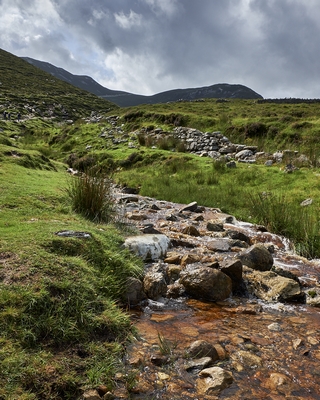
149	46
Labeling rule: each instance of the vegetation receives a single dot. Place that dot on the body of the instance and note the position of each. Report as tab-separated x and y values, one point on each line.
63	327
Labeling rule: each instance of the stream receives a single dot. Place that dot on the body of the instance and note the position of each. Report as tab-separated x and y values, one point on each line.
270	350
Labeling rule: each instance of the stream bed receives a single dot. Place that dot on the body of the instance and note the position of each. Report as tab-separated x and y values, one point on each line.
266	350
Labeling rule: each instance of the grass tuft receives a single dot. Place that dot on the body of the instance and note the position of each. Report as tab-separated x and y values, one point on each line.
91	195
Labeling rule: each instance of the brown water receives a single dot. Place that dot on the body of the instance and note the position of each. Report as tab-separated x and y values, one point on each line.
288	363
265	363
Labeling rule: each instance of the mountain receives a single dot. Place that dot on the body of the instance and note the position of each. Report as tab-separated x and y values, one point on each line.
24	87
125	99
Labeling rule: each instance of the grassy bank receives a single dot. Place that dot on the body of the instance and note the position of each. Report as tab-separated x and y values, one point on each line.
62	329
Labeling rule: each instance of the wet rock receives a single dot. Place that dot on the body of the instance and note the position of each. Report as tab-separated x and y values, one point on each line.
189	258
247	359
159	359
269	286
191	231
148	247
278	381
91	395
297	343
233	268
285	273
215	226
202	348
173	258
313	297
213	380
274	327
206	283
128	199
173	273
130	190
171	217
198	364
257	257
136	216
190	207
219	245
149	229
175	290
134	292
236	235
154	284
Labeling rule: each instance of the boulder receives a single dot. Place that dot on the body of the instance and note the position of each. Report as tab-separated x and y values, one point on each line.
202	348
213	380
198	364
190	207
268	286
206	283
154	284
244	154
233	268
257	257
149	247
191	231
134	292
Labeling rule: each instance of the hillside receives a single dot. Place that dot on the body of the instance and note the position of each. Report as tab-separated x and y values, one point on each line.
64	285
125	99
24	88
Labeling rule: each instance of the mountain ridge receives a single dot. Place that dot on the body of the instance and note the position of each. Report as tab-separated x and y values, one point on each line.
126	99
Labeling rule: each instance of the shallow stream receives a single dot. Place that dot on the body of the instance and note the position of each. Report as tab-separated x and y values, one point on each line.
271	349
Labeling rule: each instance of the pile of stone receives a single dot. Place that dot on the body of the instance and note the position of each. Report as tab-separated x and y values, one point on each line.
214	145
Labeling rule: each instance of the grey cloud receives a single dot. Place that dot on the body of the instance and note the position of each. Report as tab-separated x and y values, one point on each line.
155	45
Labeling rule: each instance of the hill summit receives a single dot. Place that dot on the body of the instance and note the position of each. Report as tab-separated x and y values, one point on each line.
126	99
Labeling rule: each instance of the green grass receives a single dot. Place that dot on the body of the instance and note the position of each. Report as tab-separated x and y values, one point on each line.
62	324
59	296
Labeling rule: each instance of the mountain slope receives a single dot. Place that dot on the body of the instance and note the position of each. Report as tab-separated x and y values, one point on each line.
125	99
24	86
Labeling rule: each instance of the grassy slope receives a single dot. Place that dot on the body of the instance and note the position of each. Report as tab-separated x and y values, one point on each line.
29	90
61	328
57	295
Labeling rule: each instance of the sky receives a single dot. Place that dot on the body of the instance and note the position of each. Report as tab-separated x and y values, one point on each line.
150	46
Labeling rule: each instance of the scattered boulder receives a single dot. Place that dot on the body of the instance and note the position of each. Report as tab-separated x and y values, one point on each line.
269	286
154	283
233	268
190	207
198	364
202	348
148	247
257	257
206	283
134	292
213	380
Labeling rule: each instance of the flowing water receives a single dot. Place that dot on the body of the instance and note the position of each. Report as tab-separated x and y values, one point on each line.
287	363
271	349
